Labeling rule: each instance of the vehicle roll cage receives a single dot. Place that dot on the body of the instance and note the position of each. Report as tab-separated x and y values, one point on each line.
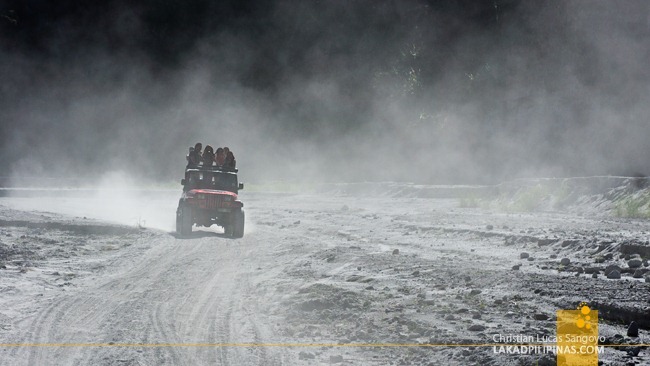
209	169
190	171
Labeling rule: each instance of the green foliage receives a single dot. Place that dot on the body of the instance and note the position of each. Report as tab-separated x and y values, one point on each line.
282	187
530	199
475	200
533	198
469	201
633	207
561	196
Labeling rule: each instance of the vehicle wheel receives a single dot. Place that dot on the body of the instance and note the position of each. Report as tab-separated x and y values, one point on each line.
227	230
178	216
184	220
238	224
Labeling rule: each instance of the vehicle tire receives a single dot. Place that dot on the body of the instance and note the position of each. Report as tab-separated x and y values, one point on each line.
227	230
238	224
184	220
178	219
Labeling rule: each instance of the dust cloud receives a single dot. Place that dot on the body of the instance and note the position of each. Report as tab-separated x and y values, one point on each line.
116	198
341	91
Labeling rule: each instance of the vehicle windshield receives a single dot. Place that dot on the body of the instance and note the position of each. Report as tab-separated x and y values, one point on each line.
211	180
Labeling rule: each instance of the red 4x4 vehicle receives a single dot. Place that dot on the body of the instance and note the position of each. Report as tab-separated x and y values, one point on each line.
210	197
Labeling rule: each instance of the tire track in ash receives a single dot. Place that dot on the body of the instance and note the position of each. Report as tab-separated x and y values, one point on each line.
46	328
70	321
241	323
250	307
34	355
218	310
199	282
81	317
180	291
187	289
247	320
150	307
221	326
231	327
168	335
207	303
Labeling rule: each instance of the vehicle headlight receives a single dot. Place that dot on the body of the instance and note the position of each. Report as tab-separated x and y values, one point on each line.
200	196
227	198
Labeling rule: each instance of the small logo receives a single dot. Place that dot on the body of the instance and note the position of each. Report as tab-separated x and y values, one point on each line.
584	321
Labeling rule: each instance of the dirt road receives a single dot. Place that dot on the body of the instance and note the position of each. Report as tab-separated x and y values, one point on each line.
313	277
200	290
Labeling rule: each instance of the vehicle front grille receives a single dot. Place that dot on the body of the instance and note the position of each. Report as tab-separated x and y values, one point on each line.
213	201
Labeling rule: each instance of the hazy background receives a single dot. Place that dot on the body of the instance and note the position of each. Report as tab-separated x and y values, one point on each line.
349	90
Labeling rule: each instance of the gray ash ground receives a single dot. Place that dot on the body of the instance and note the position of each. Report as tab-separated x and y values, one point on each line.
30	242
45	254
444	275
333	272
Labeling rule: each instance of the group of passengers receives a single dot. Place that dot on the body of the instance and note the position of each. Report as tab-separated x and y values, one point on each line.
223	157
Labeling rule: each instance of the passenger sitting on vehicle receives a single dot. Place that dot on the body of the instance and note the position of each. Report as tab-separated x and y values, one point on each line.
194	158
220	158
230	160
208	156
